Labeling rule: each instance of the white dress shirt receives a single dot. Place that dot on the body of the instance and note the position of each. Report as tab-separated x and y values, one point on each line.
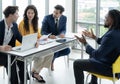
8	33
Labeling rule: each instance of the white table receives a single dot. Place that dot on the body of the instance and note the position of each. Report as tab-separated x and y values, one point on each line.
43	50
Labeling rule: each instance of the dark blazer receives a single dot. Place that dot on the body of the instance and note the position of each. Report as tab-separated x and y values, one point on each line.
108	51
3	57
16	36
48	25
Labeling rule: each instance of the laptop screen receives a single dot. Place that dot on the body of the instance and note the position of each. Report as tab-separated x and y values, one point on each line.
28	42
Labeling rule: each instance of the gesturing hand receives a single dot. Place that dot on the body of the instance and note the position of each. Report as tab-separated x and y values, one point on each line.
89	34
82	39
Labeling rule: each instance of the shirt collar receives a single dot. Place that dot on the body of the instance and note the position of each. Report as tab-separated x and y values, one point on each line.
6	26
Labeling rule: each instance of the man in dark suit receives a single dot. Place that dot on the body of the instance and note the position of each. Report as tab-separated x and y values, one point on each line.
101	59
56	25
8	35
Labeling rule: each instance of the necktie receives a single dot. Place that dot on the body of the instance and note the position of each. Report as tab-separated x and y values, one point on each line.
56	27
56	23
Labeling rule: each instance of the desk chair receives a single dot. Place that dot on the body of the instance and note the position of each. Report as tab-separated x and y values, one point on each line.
66	59
65	53
115	69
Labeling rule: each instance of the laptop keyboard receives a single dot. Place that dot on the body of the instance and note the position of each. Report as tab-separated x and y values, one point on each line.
18	49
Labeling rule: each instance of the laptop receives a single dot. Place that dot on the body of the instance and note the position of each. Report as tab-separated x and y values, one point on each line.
28	42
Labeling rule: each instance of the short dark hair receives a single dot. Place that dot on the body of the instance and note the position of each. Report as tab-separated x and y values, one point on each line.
115	15
10	10
59	7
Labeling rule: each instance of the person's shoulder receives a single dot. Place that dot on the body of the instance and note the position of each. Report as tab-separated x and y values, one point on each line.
21	22
49	16
114	33
63	16
2	24
14	23
1	21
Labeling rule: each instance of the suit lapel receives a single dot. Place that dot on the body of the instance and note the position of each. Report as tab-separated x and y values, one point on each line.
52	22
13	30
60	20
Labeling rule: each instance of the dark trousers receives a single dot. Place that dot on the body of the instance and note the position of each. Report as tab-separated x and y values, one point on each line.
81	65
20	64
61	53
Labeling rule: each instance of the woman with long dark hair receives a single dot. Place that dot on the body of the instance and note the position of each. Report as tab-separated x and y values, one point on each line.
29	25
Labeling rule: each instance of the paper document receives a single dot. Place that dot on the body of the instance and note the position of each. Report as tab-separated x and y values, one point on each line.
44	37
42	42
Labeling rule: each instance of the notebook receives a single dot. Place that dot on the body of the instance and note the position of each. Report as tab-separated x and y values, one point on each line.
28	42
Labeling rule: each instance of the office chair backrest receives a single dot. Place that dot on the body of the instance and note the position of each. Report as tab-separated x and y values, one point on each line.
115	69
116	65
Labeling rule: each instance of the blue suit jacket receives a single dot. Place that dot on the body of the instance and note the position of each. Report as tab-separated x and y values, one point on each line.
16	34
108	51
48	25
